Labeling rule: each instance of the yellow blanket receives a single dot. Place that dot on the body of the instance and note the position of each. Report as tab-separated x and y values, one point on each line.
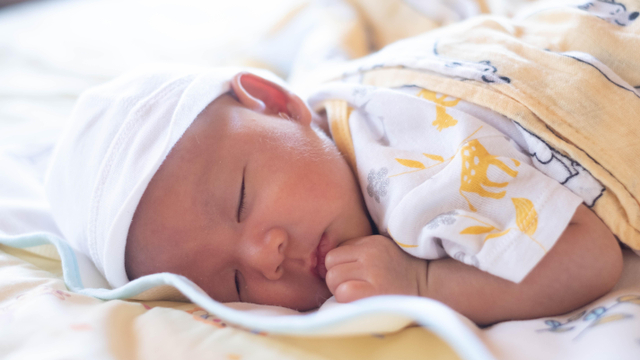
569	74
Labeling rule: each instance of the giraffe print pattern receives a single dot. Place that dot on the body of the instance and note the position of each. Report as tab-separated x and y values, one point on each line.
475	164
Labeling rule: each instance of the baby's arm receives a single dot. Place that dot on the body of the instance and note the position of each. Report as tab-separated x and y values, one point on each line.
584	264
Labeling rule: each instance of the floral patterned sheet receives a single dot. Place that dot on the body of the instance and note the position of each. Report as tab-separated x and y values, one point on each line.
40	318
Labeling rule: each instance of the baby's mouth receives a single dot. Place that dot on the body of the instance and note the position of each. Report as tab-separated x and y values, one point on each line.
321	253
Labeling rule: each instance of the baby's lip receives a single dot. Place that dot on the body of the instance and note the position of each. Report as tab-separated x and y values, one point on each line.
321	253
314	260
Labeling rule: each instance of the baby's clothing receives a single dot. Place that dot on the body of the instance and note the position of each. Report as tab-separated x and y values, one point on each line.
443	177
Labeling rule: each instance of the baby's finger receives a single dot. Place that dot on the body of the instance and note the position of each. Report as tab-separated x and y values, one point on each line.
340	255
353	290
342	273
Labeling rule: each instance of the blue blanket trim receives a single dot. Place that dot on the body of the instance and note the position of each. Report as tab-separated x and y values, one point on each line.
70	269
428	313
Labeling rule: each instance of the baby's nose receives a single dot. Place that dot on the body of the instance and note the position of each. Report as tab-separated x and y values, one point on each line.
269	255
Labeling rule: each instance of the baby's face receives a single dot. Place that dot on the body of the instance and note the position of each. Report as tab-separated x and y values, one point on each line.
246	205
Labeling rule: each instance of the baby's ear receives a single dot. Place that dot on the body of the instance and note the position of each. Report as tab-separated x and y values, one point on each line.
264	96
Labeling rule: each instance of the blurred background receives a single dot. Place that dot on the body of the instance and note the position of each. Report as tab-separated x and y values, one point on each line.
51	50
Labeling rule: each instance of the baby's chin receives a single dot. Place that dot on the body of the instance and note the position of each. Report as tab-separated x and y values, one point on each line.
312	300
309	293
308	299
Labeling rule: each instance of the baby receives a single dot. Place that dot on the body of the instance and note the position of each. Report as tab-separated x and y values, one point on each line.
260	200
226	177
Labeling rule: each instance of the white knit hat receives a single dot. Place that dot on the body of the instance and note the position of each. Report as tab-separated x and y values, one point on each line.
119	135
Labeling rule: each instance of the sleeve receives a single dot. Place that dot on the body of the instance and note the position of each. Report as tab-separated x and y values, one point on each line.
488	207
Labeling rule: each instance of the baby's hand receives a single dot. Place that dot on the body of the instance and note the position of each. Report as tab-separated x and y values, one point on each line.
373	265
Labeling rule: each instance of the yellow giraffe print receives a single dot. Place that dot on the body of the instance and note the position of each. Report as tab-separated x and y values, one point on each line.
443	120
475	164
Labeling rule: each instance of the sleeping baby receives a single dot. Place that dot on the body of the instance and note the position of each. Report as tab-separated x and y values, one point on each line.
227	177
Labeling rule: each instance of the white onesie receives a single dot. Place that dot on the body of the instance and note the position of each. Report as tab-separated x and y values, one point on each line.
443	177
